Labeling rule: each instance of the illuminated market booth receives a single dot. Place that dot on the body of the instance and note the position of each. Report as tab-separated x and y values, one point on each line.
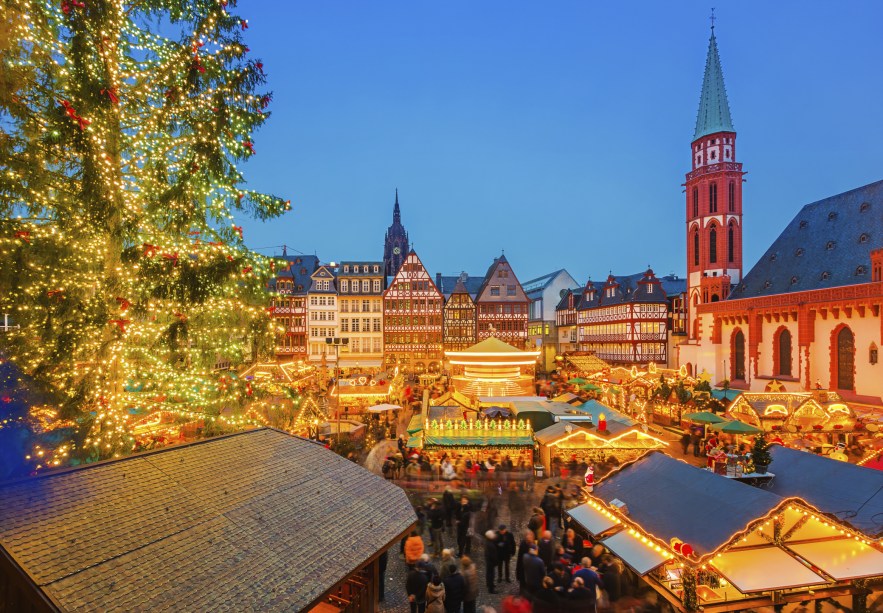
493	368
593	438
360	391
701	540
479	438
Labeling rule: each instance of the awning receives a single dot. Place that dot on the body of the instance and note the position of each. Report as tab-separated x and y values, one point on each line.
415	424
767	568
641	557
415	442
843	559
478	441
593	520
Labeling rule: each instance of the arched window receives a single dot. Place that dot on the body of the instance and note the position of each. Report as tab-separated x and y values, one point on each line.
739	355
731	235
712	245
695	247
695	202
732	196
712	197
783	345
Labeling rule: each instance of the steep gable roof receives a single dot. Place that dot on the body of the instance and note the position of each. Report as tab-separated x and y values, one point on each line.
827	244
484	292
714	108
298	271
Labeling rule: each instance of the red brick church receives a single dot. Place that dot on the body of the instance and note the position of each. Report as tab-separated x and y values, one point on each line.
808	313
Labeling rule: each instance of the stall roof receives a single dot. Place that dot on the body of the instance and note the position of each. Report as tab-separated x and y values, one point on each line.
212	524
762	569
569	398
641	556
853	494
592	519
437	412
451	398
559	430
670	498
843	559
477	441
415	424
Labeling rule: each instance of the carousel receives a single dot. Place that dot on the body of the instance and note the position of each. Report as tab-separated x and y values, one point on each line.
493	368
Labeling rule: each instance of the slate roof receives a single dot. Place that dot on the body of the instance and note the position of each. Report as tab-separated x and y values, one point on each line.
299	269
714	109
325	272
448	284
853	494
827	244
577	298
630	288
357	269
253	521
670	498
673	285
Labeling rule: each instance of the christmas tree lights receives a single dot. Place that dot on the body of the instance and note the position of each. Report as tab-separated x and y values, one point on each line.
122	126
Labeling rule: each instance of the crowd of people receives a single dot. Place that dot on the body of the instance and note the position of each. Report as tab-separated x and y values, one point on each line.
555	568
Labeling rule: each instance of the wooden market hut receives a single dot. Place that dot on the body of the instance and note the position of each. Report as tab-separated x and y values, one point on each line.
259	520
479	438
796	414
452	398
703	540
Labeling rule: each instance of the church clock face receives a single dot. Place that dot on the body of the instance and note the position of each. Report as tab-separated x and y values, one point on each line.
396	250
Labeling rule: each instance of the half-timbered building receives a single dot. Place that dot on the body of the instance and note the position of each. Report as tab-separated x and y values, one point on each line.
502	307
566	321
288	305
412	319
459	328
625	321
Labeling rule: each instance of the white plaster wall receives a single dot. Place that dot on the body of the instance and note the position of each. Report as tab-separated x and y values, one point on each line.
868	377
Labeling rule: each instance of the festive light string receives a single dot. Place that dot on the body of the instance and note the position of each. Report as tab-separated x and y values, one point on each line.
129	278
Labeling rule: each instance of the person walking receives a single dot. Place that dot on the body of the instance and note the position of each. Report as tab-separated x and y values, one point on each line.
413	548
685	440
529	540
455	590
490	559
505	550
534	571
696	440
546	548
464	517
470	578
449	505
436	518
435	596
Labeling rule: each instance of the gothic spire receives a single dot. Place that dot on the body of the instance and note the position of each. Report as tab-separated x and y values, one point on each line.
714	109
396	214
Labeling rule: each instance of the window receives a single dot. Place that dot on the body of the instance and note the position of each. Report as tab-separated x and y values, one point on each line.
712	197
376	325
832	216
695	248
695	202
803	224
355	325
712	245
872	354
346	268
866	206
344	286
495	290
825	276
366	306
510	290
354	345
860	270
731	197
313	301
344	325
864	238
376	268
376	286
830	245
739	355
355	289
649	288
731	235
799	252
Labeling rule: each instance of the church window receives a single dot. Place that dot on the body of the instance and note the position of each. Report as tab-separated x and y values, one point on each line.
712	245
739	355
872	354
732	196
695	248
864	238
860	270
712	198
783	347
695	202
731	235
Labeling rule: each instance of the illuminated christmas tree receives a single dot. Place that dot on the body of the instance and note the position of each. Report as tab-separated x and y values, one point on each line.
121	126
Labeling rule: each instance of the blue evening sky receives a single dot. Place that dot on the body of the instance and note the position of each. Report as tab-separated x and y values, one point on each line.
556	131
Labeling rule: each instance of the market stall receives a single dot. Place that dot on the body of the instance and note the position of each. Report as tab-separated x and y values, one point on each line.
480	439
757	550
359	392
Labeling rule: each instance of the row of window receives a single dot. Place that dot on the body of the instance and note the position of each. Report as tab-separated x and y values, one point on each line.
414	286
712	244
414	304
510	290
374	268
412	320
503	309
712	198
501	326
364	325
322	301
323	285
322	315
367	306
354	287
322	332
407	338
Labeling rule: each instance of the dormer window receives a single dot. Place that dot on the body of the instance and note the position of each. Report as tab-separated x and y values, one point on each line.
861	270
803	224
794	280
830	245
825	276
799	252
773	257
649	288
866	206
832	216
864	238
767	284
346	268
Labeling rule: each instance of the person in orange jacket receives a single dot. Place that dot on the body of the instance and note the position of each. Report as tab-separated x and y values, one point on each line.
413	548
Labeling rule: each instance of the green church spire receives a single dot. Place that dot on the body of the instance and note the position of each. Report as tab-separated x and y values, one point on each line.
714	110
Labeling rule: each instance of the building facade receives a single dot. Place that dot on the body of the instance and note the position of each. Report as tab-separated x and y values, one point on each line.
459	319
288	306
360	288
322	314
395	243
625	320
566	321
502	306
545	293
413	320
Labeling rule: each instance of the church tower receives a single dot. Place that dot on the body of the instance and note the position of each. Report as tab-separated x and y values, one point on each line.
395	245
714	196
